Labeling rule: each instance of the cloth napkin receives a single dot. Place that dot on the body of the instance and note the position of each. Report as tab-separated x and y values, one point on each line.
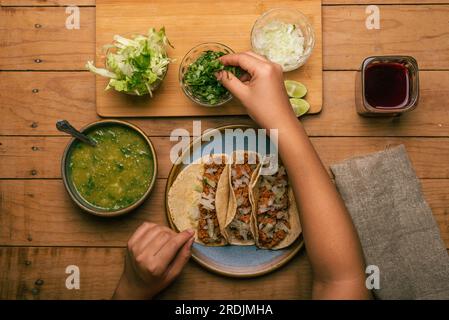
395	225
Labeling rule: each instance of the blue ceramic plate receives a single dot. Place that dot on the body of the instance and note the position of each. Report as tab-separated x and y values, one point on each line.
233	261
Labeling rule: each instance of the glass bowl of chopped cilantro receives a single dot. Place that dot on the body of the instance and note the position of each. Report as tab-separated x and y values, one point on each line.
135	64
197	74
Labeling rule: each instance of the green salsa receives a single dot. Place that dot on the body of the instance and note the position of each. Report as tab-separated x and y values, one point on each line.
114	174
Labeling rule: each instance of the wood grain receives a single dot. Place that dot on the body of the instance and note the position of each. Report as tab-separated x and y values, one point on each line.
39	157
19	3
380	2
188	24
347	41
325	2
40	213
69	49
71	95
100	269
34	101
56	47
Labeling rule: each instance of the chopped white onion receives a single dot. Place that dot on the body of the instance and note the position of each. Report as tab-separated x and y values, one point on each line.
245	210
268	227
240	201
210	228
282	215
207	201
280	42
263	209
211	170
282	226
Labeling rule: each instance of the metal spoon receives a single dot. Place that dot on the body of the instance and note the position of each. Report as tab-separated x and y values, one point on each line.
65	126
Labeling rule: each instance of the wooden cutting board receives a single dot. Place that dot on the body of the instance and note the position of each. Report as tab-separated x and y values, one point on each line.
187	24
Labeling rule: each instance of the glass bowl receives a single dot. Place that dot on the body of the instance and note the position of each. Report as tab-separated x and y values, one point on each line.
290	16
190	58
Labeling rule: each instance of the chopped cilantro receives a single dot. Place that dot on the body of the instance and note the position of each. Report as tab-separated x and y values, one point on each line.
200	77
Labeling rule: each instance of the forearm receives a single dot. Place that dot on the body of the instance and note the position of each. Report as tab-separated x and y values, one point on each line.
332	243
132	291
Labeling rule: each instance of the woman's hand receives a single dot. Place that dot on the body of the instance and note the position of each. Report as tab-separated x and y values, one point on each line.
262	90
155	257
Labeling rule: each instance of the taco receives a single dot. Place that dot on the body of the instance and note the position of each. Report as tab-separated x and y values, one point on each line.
198	199
275	214
239	228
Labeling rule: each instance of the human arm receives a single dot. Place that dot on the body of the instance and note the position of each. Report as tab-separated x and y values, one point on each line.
331	240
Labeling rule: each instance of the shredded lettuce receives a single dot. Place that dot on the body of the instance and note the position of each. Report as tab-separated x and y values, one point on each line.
280	42
137	65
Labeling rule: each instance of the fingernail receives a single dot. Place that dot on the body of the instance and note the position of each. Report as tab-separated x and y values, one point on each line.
191	231
219	75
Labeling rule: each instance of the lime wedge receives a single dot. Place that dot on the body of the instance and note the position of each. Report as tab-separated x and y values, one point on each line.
300	106
295	89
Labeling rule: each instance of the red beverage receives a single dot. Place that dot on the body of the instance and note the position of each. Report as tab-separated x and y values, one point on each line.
387	85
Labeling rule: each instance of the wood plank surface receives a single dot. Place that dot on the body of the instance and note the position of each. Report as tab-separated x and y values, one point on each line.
40	213
23	46
325	2
100	269
188	24
382	2
70	49
347	41
71	96
42	231
39	157
19	3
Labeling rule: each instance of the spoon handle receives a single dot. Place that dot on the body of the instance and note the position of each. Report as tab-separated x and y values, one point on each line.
65	126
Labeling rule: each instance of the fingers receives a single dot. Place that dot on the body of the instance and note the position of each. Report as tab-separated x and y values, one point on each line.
245	61
147	234
233	84
156	242
141	231
180	261
245	77
257	56
171	248
156	255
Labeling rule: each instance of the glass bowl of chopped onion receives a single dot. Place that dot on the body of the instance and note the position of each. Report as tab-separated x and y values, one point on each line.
284	36
197	74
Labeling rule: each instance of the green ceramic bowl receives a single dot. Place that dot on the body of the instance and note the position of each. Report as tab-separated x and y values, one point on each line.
73	192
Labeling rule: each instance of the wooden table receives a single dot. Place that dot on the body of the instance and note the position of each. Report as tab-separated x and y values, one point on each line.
42	232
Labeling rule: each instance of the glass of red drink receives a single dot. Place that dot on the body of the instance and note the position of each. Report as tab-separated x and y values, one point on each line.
387	86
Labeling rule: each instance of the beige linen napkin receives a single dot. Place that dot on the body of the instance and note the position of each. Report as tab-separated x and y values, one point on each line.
395	225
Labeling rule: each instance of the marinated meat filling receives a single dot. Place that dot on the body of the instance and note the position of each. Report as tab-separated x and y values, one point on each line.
272	209
208	228
240	178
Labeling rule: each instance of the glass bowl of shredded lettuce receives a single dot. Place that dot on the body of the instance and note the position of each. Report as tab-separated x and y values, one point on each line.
284	36
135	64
197	74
